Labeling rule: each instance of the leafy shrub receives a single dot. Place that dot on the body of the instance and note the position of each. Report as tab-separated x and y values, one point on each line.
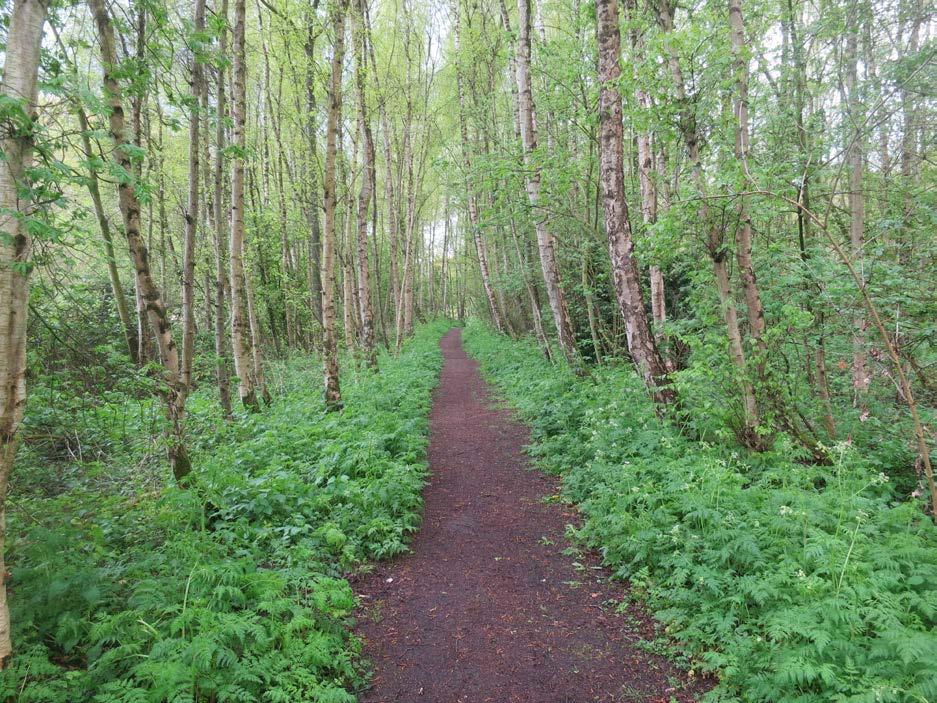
791	582
232	590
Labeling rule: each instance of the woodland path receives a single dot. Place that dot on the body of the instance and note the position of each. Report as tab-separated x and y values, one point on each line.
486	607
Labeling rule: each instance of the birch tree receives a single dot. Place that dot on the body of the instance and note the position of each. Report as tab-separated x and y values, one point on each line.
545	240
628	292
333	394
20	73
174	390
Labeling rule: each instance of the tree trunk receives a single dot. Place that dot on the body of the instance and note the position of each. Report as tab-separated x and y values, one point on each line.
743	230
240	324
908	135
364	199
532	299
117	289
391	213
314	243
658	293
545	242
590	306
348	305
256	341
130	210
20	73
286	264
444	261
529	285
649	196
469	180
333	394
641	341
405	307
192	212
222	373
715	244
860	371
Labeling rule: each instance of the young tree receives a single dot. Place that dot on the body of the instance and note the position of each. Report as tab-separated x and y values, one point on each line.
743	230
715	237
314	243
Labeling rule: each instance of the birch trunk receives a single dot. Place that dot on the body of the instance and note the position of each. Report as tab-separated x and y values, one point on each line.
20	73
649	196
192	211
480	250
256	341
333	394
641	342
240	324
532	299
222	374
117	289
860	372
715	244
314	243
391	213
545	242
909	120
529	285
364	200
743	231
174	393
405	307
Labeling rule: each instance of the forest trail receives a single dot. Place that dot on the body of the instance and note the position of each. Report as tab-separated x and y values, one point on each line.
486	607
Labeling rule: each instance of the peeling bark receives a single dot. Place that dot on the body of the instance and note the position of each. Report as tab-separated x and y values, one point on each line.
627	282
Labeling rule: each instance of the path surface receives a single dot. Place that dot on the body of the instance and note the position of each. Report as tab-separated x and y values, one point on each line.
487	607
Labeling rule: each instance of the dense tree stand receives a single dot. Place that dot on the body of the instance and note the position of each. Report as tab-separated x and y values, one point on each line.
487	607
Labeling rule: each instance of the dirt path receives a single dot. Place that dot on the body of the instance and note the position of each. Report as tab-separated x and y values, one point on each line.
487	607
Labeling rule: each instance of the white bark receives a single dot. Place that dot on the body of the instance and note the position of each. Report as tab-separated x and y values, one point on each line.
545	240
20	73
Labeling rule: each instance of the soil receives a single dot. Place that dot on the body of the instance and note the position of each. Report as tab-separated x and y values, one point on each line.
491	604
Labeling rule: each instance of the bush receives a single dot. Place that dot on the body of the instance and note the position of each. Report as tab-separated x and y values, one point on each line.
790	582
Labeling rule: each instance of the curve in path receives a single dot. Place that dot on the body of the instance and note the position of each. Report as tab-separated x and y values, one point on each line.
487	607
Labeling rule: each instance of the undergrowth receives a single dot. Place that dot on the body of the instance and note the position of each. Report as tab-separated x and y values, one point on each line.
790	582
124	591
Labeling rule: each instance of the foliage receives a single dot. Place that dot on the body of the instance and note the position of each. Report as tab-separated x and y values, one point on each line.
232	590
791	582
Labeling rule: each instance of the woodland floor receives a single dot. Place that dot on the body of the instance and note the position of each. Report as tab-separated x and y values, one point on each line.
487	607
